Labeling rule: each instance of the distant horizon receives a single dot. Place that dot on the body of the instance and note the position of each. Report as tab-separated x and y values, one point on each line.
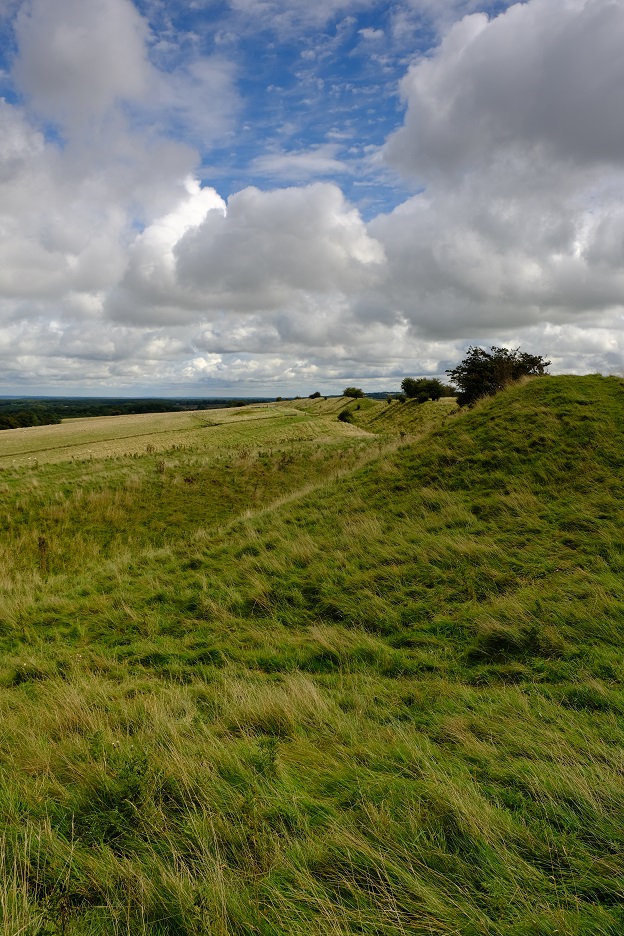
194	393
183	396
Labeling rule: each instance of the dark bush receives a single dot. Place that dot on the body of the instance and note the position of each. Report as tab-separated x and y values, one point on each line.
483	373
422	388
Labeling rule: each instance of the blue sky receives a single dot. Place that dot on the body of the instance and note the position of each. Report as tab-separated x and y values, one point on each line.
267	197
315	99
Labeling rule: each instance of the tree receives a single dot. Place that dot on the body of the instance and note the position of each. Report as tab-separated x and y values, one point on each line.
354	392
483	373
314	396
422	388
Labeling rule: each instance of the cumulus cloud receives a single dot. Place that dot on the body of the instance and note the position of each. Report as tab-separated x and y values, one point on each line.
69	209
51	240
265	250
513	128
118	268
270	245
66	216
464	262
149	289
542	80
77	58
85	63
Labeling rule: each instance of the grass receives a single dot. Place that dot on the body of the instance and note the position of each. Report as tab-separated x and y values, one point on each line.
111	436
380	417
351	684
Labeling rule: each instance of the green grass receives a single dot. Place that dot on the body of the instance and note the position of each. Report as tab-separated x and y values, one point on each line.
350	684
381	417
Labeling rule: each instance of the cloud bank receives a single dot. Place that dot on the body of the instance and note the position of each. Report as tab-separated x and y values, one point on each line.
125	266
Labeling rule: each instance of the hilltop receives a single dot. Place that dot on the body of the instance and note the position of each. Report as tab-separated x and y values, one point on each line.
280	674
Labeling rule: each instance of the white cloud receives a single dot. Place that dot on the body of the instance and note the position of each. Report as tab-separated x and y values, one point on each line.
301	166
78	58
69	210
267	250
66	214
271	246
514	129
116	271
369	33
149	290
84	63
464	263
543	80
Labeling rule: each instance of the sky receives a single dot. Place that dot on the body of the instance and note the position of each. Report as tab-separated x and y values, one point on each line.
261	197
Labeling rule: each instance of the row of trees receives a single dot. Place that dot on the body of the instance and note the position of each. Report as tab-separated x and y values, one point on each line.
419	388
37	416
425	388
481	373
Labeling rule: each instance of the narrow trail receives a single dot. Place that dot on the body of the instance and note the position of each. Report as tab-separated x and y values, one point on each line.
310	488
22	594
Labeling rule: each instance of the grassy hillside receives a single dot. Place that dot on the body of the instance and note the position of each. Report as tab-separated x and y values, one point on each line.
148	433
379	690
379	416
95	489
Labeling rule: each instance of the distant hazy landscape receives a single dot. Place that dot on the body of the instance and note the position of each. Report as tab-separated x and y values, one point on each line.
269	671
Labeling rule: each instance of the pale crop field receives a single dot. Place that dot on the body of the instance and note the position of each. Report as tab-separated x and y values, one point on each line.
147	433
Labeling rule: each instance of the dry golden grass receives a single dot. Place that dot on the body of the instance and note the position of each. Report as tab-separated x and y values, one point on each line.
118	436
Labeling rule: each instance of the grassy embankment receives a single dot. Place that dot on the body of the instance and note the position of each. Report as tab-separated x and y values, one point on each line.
331	684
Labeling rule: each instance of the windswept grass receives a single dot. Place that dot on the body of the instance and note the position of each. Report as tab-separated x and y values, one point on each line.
58	517
384	695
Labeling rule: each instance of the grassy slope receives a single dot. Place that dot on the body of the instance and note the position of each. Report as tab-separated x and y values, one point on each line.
380	417
391	705
114	436
96	488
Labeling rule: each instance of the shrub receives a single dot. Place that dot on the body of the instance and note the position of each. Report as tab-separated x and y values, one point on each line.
345	415
483	373
422	388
